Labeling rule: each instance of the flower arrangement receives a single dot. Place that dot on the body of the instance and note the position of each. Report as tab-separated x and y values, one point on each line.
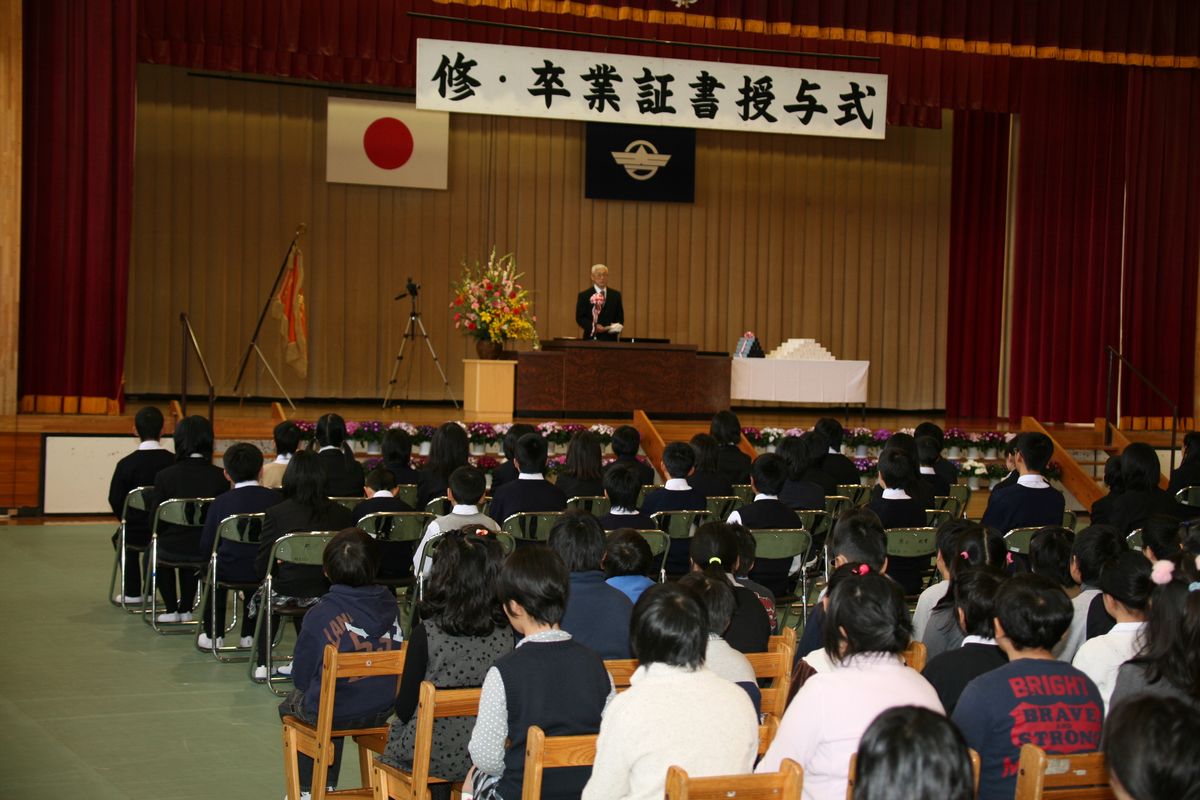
1053	471
490	304
997	471
408	428
369	432
860	437
424	433
554	433
879	437
481	433
554	464
485	463
754	436
604	432
572	428
867	467
956	439
972	469
790	432
771	436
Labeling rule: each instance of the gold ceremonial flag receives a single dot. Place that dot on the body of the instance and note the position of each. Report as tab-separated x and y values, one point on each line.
289	308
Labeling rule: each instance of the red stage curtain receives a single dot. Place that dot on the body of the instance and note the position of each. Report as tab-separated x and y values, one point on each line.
978	217
1162	237
77	202
1067	264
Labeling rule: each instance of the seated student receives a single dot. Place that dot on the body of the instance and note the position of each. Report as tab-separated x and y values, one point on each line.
1152	746
627	562
1141	496
975	547
465	490
448	450
287	440
816	448
549	680
677	712
1007	706
1102	509
895	506
732	464
947	470
818	660
461	632
747	553
714	551
396	556
507	471
621	487
929	452
705	477
676	494
1166	664
859	538
1188	472
917	489
1093	548
766	512
1161	537
597	614
912	752
397	456
626	441
1010	463
834	464
356	614
867	630
1050	557
975	606
1125	591
192	475
717	599
343	475
1032	501
235	562
580	475
797	492
531	492
139	468
947	532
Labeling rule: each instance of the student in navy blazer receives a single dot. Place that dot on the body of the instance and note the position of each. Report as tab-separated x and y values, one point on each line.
676	494
1032	501
530	492
343	475
135	470
626	441
397	456
507	472
732	464
395	558
597	614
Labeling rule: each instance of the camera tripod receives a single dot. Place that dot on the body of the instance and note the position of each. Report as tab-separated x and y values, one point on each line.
410	333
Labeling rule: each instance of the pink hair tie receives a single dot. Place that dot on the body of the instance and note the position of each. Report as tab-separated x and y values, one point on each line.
1162	571
964	555
1008	559
863	569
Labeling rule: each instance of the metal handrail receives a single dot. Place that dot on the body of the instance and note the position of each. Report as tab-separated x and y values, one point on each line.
189	337
1110	420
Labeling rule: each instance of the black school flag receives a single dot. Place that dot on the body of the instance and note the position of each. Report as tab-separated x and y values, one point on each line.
640	162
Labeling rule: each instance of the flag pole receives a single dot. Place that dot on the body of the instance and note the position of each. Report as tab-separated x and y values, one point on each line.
301	229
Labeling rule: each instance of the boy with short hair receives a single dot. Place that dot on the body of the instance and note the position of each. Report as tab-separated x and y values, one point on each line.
379	485
134	470
507	472
895	507
626	441
243	464
287	441
627	563
676	494
1035	698
1032	501
530	492
621	487
768	473
464	490
356	615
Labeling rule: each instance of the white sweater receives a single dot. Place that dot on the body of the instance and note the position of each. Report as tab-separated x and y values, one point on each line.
671	716
1100	658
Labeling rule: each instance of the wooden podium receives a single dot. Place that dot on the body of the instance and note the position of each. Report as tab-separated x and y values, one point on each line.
488	389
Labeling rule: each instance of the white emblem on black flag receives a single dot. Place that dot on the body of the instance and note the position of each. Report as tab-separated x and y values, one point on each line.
638	162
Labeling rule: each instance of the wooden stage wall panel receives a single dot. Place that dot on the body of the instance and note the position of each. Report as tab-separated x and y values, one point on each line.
20	469
843	241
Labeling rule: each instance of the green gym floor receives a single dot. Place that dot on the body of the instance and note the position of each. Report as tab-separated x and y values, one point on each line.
94	704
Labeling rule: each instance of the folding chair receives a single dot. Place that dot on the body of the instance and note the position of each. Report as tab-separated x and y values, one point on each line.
186	513
855	492
853	774
1188	496
547	752
915	655
396	527
660	544
530	526
244	529
744	493
406	492
720	506
348	502
782	785
935	517
596	506
835	504
962	493
1017	540
914	543
780	544
817	523
394	784
1069	520
948	503
1134	540
642	494
316	741
299	549
1079	777
678	526
135	499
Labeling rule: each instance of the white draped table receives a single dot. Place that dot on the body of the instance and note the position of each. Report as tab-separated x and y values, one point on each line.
799	381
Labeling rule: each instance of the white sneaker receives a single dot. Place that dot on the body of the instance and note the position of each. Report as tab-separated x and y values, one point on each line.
303	796
170	616
185	616
246	642
260	673
205	643
286	669
130	599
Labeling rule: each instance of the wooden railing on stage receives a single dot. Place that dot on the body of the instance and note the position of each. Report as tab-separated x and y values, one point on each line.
656	437
1120	441
652	441
1080	484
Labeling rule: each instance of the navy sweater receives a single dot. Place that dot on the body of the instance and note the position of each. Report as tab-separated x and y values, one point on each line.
597	615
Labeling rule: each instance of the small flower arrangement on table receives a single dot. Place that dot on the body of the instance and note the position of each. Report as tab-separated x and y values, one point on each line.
861	439
996	472
603	432
880	437
972	470
956	440
990	443
771	437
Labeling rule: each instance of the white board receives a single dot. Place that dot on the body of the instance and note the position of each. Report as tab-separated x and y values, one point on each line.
76	471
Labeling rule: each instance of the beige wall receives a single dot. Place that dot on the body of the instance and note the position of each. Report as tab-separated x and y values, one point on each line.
10	199
838	240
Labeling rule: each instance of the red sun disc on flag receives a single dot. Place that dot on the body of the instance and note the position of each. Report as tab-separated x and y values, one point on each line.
388	143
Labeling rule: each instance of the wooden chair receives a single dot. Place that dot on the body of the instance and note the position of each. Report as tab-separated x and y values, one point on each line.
915	655
1017	540
186	513
766	733
621	670
596	506
1078	777
394	784
136	499
243	529
782	785
316	741
547	752
853	775
774	666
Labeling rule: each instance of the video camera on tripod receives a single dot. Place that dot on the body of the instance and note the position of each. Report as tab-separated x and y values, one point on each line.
411	289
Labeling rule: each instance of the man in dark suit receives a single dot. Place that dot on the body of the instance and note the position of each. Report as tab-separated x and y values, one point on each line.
598	311
395	557
137	469
530	491
243	464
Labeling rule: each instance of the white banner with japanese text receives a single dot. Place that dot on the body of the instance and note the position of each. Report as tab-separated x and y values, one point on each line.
602	87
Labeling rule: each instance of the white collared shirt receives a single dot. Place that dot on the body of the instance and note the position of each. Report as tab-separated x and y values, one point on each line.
677	485
196	455
832	452
383	493
150	445
978	640
621	511
530	476
433	530
328	447
597	290
283	458
736	519
1033	481
241	484
928	471
895	494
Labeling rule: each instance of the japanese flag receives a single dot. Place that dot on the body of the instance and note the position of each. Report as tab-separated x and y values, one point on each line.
386	144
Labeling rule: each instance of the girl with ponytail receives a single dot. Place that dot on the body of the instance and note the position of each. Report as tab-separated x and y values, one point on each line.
975	547
714	551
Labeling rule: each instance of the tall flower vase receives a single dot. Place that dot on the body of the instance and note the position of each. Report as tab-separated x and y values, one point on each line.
374	448
973	452
487	349
991	453
860	451
953	452
423	448
973	482
477	448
